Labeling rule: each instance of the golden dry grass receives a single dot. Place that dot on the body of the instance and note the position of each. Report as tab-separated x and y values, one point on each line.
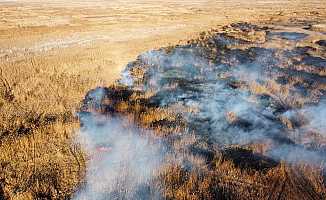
225	181
40	90
38	157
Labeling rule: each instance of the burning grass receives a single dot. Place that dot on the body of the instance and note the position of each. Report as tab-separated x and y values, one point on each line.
223	107
233	117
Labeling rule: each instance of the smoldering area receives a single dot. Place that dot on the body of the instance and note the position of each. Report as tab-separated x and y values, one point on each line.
241	93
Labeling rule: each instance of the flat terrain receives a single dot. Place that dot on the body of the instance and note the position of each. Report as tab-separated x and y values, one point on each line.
53	52
108	34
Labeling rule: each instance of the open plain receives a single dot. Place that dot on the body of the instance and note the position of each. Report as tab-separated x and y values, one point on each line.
53	52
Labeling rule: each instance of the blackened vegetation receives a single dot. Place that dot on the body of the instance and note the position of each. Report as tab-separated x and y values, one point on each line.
321	43
246	159
120	100
105	100
2	192
289	35
245	102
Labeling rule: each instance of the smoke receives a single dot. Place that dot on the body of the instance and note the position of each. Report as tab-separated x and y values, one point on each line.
123	159
182	64
316	116
229	115
126	78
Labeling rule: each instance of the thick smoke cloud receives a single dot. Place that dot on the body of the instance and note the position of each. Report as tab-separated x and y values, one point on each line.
122	159
229	115
314	117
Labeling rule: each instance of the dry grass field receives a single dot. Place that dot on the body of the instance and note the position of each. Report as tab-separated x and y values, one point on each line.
53	52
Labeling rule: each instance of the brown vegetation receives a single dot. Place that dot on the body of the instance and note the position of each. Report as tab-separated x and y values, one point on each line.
225	181
233	171
40	92
38	157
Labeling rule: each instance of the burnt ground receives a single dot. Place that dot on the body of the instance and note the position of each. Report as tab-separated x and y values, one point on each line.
252	96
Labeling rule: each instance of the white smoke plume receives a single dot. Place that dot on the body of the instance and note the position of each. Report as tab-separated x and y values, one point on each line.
122	159
315	116
183	76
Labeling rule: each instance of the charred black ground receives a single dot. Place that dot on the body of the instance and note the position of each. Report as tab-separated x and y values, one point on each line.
253	97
